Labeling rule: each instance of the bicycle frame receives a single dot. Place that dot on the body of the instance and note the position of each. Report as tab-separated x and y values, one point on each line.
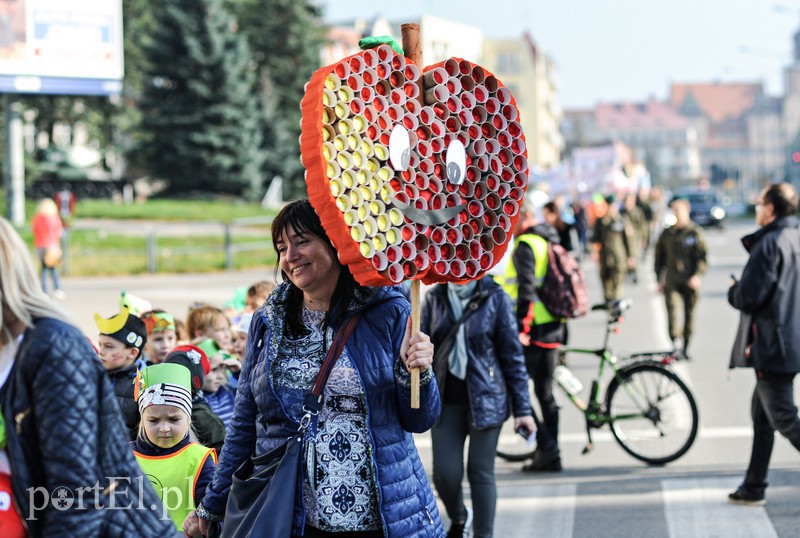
594	411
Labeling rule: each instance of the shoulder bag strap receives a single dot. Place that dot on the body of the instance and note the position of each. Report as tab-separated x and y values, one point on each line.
313	400
472	307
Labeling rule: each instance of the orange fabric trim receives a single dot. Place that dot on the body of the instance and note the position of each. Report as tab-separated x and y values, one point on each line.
528	320
546	345
213	453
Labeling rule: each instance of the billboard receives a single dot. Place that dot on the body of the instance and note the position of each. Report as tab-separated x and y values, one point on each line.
61	46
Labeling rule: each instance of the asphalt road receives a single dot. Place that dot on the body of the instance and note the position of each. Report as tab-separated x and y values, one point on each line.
605	493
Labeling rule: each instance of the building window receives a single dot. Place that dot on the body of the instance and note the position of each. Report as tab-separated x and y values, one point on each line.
507	63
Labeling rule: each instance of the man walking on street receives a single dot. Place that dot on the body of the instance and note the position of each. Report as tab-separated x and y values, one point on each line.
612	240
539	331
768	295
680	260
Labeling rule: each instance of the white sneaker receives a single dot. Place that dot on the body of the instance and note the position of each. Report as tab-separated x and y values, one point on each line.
59	294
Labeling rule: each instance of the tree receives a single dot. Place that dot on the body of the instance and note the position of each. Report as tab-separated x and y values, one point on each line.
200	115
286	37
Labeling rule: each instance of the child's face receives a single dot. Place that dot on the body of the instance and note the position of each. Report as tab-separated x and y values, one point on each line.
252	302
220	331
165	425
216	376
114	354
239	343
160	343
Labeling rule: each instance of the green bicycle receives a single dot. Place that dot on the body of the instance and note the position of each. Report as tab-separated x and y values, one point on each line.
650	411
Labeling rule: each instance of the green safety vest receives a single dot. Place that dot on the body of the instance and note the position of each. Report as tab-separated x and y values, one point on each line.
177	474
509	279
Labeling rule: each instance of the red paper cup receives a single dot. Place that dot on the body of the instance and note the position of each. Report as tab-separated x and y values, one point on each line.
491	84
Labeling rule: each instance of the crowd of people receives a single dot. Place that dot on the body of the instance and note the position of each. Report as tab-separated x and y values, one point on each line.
185	402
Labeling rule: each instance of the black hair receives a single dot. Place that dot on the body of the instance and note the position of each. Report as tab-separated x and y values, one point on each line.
302	218
783	198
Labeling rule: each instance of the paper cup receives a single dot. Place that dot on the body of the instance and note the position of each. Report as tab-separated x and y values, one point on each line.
493	201
413	106
344	203
422	261
342	70
341	110
499	122
441	267
481	93
453	124
349	178
395	112
458	268
518	146
435	94
467	84
366	248
410	121
395	273
379	261
435	76
514	128
511	208
380	103
520	163
332	82
447	251
488	131
491	84
345	94
451	66
397	97
465	116
333	170
355	82
492	106
328	133
357	233
367	94
504	96
412	72
383	88
379	242
411	90
337	189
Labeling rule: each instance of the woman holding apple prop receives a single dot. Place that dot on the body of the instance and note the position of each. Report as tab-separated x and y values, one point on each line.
363	475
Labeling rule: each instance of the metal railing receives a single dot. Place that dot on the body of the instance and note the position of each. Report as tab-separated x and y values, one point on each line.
259	230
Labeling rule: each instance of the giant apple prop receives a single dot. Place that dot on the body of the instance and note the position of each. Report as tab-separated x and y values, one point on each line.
408	190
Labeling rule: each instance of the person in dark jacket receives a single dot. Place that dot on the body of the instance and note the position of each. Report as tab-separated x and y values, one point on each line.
481	375
540	332
769	293
61	430
363	446
207	425
120	343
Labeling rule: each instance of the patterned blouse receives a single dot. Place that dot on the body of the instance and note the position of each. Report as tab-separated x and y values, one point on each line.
340	493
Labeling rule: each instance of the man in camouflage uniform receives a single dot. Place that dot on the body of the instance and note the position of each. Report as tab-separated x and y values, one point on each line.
680	260
634	219
613	249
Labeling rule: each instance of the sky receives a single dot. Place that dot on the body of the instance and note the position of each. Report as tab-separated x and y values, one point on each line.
624	50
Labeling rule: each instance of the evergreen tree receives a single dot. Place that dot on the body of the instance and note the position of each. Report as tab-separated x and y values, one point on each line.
286	37
200	115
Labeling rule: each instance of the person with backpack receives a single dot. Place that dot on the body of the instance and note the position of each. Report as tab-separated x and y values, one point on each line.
540	332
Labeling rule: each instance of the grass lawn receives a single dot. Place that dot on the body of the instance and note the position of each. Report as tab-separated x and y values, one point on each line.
103	252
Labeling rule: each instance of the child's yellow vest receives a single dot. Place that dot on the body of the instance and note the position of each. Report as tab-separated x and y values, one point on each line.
174	478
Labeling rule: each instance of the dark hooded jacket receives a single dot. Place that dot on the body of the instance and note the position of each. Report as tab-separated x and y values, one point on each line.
769	293
497	382
64	432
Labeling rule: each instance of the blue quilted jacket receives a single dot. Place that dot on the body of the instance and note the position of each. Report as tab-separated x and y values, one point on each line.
259	422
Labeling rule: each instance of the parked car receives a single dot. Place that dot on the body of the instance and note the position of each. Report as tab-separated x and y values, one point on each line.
707	209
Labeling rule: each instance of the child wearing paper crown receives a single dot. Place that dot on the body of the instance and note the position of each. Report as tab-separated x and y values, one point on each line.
208	425
178	467
120	343
161	335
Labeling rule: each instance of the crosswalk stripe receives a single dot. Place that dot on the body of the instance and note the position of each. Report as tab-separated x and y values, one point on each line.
547	511
698	507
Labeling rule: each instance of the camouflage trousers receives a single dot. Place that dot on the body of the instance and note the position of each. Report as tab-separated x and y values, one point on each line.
675	297
612	279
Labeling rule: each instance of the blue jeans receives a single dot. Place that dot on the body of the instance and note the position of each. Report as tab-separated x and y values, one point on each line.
448	438
52	270
772	409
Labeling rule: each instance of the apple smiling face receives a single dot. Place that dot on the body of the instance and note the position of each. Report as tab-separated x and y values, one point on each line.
407	190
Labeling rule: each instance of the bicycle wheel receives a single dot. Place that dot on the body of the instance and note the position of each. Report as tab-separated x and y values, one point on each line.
653	415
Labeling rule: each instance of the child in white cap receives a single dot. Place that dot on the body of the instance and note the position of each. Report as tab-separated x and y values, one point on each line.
178	467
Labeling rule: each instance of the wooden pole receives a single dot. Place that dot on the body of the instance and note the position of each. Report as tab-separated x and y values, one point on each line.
413	51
